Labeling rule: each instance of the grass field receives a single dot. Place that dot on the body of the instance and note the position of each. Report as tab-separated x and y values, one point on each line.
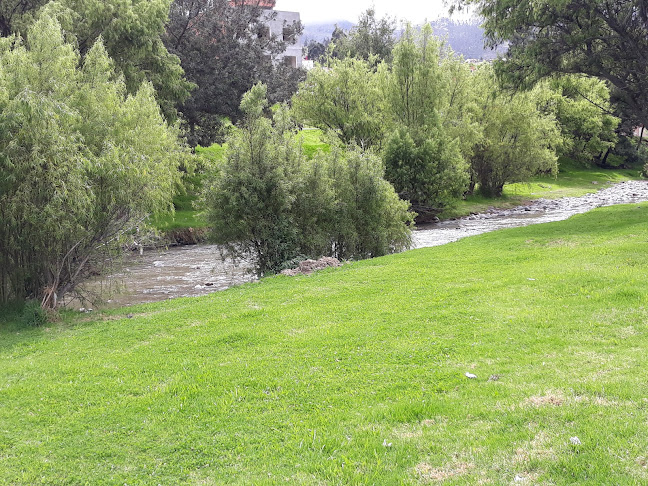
356	375
572	181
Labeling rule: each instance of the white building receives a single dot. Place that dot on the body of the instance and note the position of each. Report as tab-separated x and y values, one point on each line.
283	27
280	24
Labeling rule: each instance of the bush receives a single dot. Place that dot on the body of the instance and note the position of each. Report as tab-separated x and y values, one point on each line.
369	219
430	173
33	314
81	162
269	202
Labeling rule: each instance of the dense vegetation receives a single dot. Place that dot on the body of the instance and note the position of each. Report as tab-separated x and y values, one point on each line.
269	202
356	375
603	39
513	357
82	162
224	51
402	117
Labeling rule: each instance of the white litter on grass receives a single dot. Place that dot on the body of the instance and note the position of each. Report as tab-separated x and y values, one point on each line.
575	441
470	375
387	444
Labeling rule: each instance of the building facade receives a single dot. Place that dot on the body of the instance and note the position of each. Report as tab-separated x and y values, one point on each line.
281	24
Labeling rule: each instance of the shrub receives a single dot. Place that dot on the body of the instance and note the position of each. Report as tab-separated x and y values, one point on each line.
33	314
81	162
269	202
430	173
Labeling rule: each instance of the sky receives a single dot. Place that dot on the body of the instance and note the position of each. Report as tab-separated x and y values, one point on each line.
316	11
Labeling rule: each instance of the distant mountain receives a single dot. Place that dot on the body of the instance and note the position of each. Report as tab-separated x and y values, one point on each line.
465	38
323	31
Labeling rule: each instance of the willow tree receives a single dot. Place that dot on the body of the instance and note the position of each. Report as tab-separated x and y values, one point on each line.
518	139
345	99
423	156
131	31
81	161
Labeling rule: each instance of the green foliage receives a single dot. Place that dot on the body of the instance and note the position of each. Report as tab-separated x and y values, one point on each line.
518	140
269	202
130	31
369	218
371	39
431	173
225	49
33	314
81	161
248	201
414	85
345	98
581	106
423	157
603	39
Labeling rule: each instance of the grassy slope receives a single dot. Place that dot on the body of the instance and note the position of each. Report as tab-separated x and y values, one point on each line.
572	181
304	379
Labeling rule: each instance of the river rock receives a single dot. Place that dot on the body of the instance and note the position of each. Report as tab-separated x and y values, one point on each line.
309	266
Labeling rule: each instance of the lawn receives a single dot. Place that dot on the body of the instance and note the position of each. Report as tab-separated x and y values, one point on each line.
356	375
572	181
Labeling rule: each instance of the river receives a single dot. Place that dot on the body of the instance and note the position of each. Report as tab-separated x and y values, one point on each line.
187	271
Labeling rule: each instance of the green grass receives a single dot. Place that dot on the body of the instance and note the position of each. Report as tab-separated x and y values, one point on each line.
313	142
214	153
302	380
572	181
181	218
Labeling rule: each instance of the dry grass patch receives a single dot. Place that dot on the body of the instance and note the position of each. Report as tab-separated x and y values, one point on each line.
555	399
407	431
430	474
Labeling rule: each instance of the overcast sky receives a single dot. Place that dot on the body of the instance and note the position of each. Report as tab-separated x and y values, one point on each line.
315	11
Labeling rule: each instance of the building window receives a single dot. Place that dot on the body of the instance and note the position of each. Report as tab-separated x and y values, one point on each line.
290	61
288	35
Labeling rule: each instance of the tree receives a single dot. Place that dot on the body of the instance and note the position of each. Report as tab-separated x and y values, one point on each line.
345	98
131	33
423	161
81	161
414	84
581	106
371	39
601	38
518	140
316	51
269	203
225	47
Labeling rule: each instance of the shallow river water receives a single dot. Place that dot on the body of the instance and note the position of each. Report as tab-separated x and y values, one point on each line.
198	269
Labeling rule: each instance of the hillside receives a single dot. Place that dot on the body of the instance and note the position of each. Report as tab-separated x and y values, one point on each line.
356	375
465	38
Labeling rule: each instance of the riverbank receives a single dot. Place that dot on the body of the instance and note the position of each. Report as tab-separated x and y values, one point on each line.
571	181
188	225
357	374
195	270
